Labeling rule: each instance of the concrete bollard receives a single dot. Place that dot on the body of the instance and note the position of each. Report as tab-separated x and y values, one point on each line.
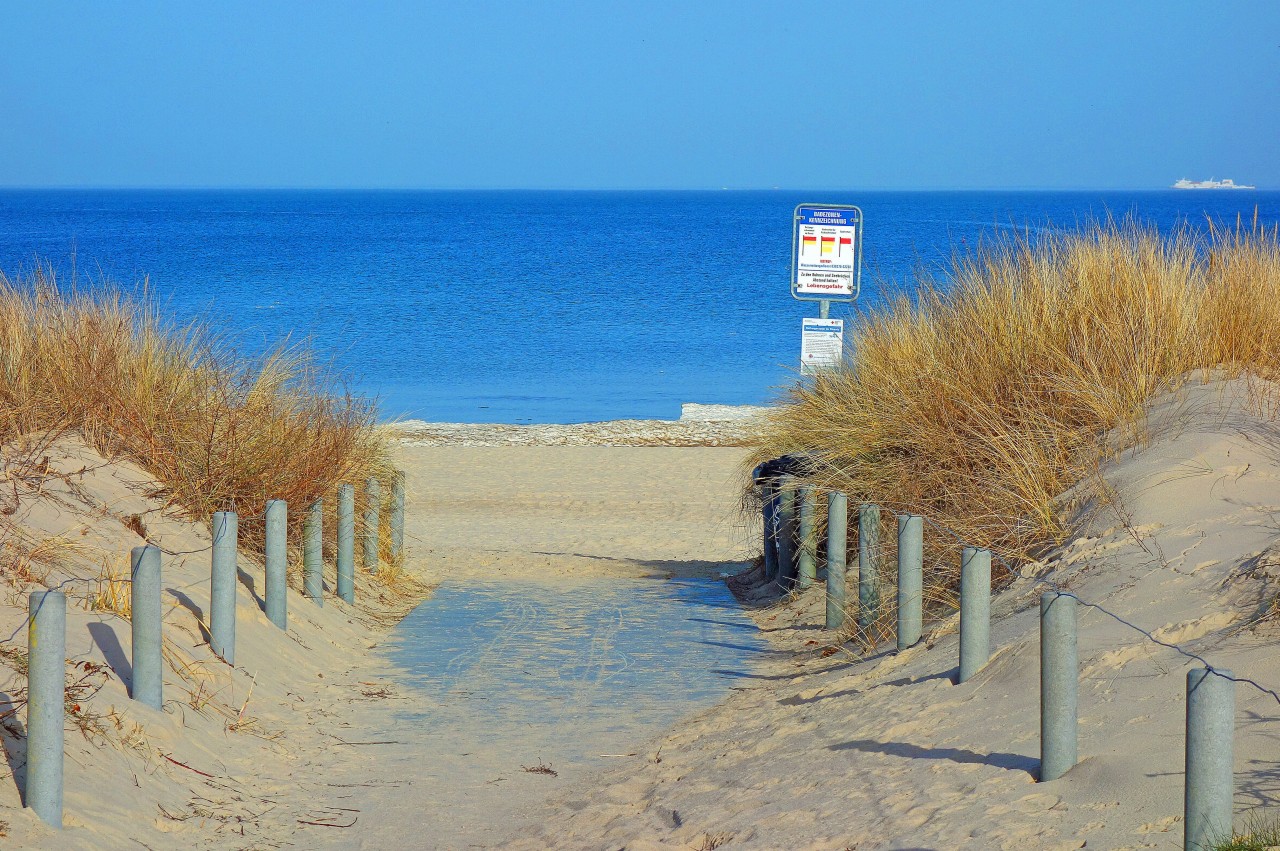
313	553
1211	719
786	532
372	506
807	561
347	543
222	587
837	542
975	611
46	709
144	601
769	513
868	565
910	580
397	516
277	563
1059	679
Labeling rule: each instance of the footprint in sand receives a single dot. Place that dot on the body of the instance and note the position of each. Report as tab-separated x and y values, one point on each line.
1036	802
1164	825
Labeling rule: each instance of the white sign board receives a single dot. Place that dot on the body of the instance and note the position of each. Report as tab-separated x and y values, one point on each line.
828	252
821	344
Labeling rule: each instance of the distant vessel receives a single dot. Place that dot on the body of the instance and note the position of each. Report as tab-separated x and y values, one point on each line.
1211	184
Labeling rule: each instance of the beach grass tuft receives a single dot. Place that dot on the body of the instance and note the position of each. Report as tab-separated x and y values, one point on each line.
1261	833
984	393
218	431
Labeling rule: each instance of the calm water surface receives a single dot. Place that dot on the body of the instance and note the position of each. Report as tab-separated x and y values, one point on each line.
528	306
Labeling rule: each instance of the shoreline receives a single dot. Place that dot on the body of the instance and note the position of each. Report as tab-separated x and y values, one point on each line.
698	425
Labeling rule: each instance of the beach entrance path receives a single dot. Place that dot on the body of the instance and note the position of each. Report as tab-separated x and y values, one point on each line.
580	612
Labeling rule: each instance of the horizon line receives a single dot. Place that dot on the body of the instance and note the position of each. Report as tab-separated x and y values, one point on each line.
412	189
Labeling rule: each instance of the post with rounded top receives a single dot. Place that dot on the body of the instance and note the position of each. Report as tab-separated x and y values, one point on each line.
1059	679
46	681
372	504
786	531
975	611
347	543
837	542
910	579
868	565
222	587
276	562
313	553
144	606
807	564
397	516
1211	718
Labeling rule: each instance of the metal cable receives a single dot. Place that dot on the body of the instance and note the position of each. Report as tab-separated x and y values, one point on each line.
1054	586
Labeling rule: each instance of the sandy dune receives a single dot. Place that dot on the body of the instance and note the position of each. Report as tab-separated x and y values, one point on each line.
832	752
294	769
812	749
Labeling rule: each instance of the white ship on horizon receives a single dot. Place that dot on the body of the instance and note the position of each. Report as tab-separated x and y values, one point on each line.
1227	183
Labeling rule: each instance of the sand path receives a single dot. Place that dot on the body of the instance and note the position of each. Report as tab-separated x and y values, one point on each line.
581	610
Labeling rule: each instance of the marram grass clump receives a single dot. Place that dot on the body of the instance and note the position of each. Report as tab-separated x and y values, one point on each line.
979	400
1261	833
216	430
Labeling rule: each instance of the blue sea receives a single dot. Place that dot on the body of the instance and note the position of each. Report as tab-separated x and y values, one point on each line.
529	306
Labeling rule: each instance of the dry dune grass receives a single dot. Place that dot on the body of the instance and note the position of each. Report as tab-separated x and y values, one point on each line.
217	431
981	400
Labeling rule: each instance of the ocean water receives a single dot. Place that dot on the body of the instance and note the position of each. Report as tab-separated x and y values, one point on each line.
529	306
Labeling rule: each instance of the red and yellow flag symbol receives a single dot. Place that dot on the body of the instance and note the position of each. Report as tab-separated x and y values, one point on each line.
828	244
808	242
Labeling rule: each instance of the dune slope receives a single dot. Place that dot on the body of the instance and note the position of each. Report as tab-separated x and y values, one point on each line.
823	750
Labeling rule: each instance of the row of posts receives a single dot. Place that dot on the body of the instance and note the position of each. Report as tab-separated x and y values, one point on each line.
790	559
47	620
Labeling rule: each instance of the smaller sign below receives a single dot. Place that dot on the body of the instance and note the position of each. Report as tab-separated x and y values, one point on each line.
821	344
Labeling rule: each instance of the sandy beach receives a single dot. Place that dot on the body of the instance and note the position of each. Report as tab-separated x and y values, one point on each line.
639	426
274	752
811	747
822	750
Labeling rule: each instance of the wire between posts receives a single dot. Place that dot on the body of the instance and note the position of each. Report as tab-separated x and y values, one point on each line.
64	583
239	520
1145	633
1054	586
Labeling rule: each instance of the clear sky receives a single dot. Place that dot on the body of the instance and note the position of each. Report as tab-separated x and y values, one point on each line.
645	94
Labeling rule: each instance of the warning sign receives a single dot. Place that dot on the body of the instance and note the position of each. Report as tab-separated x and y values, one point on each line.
827	250
821	344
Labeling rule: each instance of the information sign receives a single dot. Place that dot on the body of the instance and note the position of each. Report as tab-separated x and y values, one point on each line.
821	344
826	251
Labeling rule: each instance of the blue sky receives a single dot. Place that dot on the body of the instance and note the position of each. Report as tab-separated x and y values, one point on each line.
459	94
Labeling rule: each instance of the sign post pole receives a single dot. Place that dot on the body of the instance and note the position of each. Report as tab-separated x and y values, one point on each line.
826	266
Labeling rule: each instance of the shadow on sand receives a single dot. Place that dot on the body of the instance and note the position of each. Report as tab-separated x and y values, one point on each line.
1010	761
